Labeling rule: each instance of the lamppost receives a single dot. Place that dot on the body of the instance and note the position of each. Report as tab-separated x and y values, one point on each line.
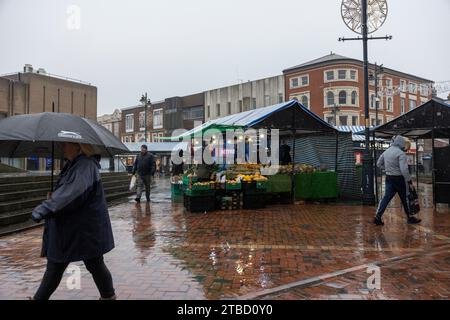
359	19
145	101
335	111
378	69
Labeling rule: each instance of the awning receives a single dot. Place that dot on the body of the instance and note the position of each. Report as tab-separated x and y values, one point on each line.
287	116
357	133
433	115
157	147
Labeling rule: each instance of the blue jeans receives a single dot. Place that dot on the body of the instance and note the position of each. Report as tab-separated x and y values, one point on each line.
394	185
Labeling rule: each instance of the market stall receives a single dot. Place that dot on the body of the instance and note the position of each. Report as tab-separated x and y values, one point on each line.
250	186
431	120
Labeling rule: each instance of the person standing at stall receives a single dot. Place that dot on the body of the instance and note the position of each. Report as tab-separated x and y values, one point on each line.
394	162
145	167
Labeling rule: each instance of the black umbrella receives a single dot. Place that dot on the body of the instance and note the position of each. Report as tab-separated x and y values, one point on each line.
41	135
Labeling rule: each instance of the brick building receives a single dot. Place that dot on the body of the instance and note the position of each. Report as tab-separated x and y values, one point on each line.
33	92
333	87
163	117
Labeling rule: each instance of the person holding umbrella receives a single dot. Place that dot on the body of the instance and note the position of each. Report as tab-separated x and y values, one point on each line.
77	224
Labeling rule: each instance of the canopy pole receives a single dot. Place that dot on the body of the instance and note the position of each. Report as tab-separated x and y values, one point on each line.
336	153
53	154
375	149
432	168
293	157
417	165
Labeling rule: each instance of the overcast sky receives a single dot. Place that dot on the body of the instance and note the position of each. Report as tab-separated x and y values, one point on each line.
178	47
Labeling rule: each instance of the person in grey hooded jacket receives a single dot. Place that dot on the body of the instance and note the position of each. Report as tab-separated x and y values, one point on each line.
395	164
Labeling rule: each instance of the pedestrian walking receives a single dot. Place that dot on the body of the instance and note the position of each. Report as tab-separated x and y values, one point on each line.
77	224
145	167
398	178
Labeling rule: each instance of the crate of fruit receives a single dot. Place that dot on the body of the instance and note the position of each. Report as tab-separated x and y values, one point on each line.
233	185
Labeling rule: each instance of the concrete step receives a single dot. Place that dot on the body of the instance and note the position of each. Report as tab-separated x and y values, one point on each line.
106	176
20	186
29	199
21	215
19	227
111	187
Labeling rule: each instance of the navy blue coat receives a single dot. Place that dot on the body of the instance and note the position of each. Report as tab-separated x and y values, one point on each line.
77	224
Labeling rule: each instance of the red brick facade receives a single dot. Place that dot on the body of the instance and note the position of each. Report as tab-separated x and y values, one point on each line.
312	82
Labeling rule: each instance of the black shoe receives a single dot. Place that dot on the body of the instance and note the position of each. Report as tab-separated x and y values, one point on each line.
137	199
378	221
413	220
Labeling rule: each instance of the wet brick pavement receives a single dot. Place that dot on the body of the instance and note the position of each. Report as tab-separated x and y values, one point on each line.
312	251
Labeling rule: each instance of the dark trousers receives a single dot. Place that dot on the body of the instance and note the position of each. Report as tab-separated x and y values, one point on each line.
55	271
394	185
143	182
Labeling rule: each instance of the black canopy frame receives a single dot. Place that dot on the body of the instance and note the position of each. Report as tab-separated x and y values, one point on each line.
430	120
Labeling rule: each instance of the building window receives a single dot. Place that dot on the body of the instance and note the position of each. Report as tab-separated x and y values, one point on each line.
372	101
330	75
305	101
412	104
355	121
343	120
330	120
218	109
402	85
353	74
342	97
240	105
424	90
412	88
280	98
253	103
389	83
129	123
330	98
157	119
208	111
305	80
354	97
294	82
389	106
229	107
142	120
342	74
266	100
403	105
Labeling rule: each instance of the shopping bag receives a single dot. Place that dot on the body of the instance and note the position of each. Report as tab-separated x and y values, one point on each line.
413	201
133	183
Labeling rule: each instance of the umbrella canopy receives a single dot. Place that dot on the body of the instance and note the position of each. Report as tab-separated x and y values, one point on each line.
33	134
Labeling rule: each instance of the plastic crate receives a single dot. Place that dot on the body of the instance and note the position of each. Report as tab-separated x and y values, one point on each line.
324	185
303	186
279	183
254	201
176	189
236	186
198	193
200	203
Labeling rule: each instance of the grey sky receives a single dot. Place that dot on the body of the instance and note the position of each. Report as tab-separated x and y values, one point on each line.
179	47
